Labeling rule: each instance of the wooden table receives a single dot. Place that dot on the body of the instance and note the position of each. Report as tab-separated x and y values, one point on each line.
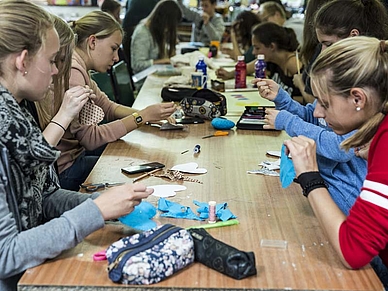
265	211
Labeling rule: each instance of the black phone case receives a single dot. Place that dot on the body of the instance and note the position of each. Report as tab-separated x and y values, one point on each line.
252	118
142	168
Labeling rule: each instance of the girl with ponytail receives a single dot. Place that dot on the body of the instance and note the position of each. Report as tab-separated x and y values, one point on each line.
349	80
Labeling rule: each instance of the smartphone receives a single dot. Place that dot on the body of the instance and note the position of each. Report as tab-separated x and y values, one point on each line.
142	168
190	120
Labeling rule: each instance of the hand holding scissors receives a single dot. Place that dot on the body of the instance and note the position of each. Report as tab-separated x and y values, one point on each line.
91	187
217	133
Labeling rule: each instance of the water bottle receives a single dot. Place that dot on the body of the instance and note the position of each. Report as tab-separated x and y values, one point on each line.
260	67
240	73
201	67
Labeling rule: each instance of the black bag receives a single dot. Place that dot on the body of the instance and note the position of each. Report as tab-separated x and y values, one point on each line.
176	94
222	257
204	103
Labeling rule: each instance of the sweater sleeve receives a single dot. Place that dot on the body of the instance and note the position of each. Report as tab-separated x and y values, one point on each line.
364	233
297	119
215	28
141	49
29	248
190	14
94	136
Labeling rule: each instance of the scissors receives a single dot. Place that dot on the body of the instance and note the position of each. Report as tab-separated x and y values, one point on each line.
91	187
217	133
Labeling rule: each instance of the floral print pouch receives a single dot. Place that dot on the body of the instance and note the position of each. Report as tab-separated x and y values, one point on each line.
151	256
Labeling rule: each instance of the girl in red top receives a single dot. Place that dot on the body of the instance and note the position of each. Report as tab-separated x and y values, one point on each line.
349	79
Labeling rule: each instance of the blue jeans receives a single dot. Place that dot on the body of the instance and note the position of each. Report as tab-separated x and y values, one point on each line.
73	177
381	270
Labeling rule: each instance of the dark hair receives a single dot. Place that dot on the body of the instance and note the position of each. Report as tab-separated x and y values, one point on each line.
283	37
310	40
110	6
339	17
243	25
163	22
211	1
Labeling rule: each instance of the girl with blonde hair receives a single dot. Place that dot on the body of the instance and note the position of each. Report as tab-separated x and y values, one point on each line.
38	219
99	37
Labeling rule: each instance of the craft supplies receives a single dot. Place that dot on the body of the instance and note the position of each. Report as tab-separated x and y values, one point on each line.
269	243
217	133
145	175
212	212
197	149
217	224
222	123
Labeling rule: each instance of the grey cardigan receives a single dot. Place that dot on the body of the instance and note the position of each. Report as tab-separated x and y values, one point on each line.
70	216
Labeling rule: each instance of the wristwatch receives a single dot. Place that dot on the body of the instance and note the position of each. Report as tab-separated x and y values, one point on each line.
138	119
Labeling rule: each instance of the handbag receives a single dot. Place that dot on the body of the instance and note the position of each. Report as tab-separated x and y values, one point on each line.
176	93
221	256
150	256
204	103
91	114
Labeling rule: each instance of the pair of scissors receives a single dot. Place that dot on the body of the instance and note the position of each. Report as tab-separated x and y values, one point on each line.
217	133
91	187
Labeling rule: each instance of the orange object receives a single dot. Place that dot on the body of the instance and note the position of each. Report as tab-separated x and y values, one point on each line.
217	133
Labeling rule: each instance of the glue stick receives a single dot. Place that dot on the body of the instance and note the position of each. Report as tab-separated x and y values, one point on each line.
212	211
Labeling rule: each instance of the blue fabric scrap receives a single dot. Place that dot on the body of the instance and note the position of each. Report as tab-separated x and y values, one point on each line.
140	217
287	171
175	210
222	211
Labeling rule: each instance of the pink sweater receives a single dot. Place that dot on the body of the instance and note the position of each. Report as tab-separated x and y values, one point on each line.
79	137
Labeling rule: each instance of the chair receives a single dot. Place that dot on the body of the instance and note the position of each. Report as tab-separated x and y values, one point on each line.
104	82
122	84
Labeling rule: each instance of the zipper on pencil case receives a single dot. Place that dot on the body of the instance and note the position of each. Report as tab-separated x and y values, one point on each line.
156	237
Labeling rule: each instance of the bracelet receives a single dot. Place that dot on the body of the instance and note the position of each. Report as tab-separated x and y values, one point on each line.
310	181
57	123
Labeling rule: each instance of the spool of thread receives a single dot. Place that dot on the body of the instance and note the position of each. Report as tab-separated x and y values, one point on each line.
197	149
212	212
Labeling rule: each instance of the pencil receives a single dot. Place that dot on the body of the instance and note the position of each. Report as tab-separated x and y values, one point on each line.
146	174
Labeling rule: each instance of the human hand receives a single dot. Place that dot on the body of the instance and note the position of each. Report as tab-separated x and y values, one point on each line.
303	152
268	88
298	81
269	118
362	151
73	101
205	18
161	111
224	74
121	200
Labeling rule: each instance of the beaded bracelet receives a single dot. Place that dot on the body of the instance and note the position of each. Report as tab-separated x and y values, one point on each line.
57	123
310	181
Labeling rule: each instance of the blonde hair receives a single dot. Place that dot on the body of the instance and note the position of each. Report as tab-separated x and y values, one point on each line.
23	25
98	23
46	110
355	62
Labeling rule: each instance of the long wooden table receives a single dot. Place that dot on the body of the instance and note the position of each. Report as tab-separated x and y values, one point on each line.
264	209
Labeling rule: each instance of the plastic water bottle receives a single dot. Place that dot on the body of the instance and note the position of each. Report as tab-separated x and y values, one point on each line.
260	67
201	67
240	73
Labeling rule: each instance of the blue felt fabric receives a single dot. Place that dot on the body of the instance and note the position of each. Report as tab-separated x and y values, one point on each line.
175	210
222	123
140	217
222	211
287	171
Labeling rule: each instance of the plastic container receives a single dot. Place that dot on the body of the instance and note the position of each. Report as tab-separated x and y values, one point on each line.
260	67
202	67
240	76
